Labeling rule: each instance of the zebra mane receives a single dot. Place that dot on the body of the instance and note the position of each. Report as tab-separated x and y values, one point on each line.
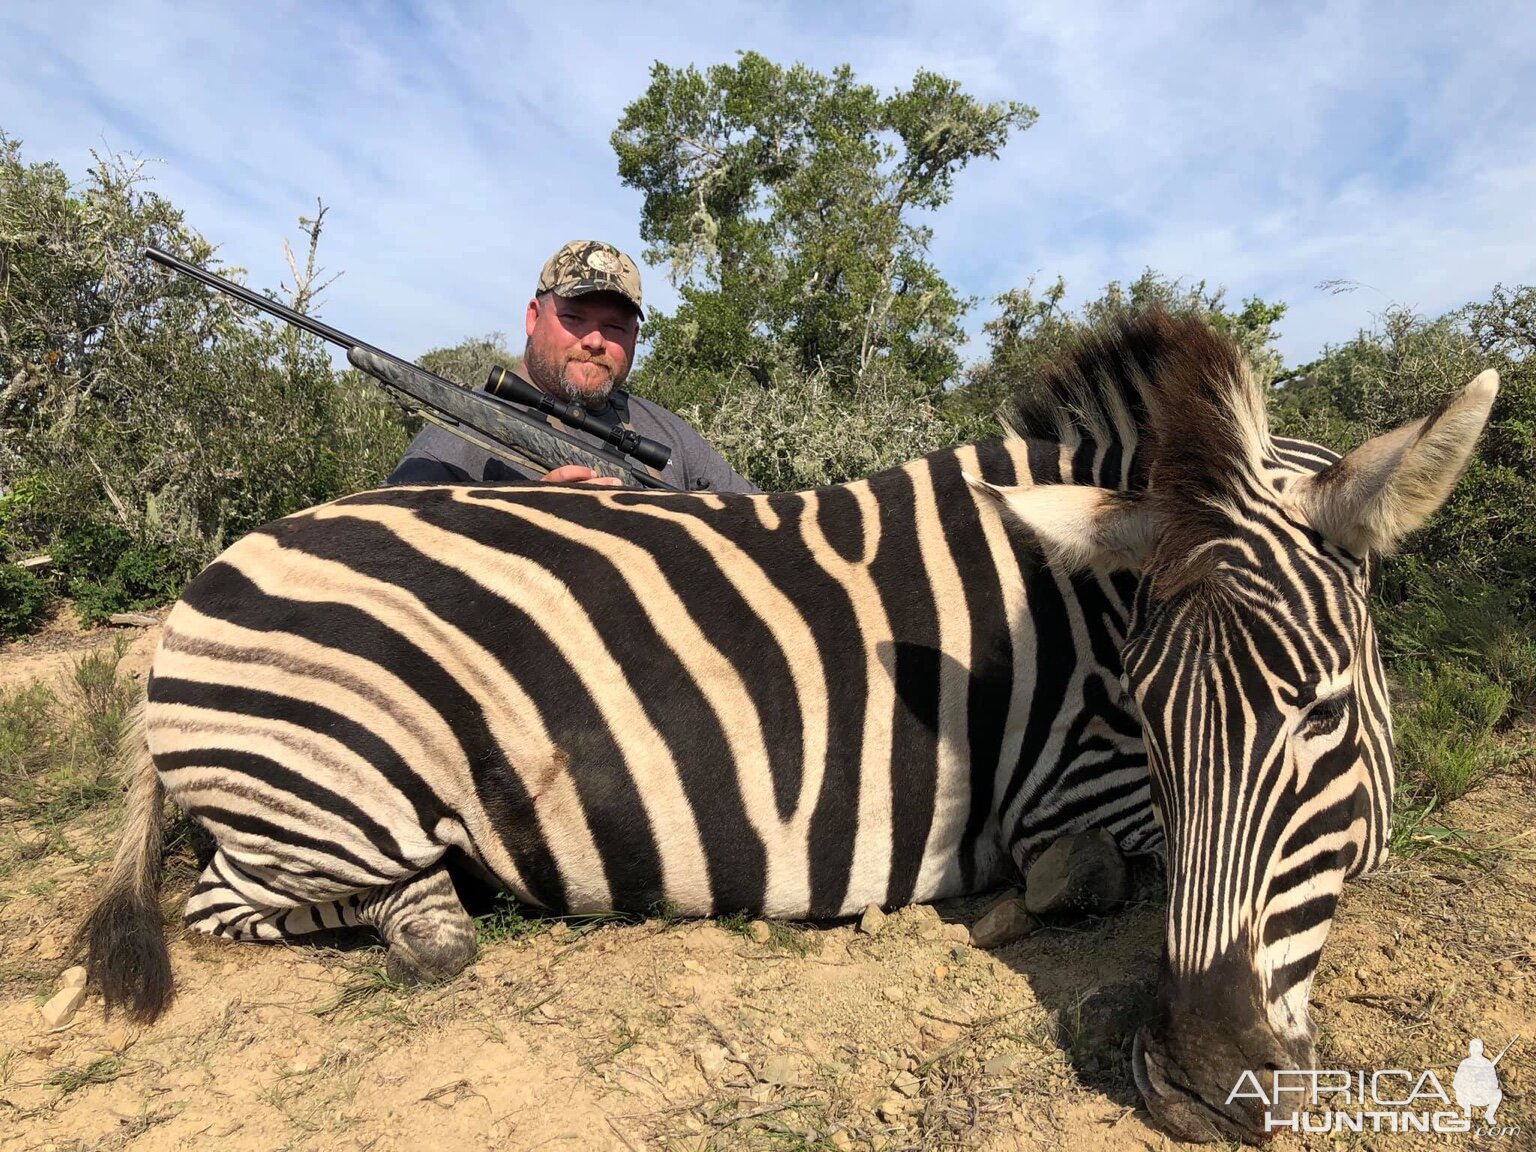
1155	405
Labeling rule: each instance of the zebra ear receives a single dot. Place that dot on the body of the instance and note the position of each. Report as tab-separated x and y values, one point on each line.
1390	485
1078	526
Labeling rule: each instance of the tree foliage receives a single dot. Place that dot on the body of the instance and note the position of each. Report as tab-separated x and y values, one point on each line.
145	421
785	203
1034	326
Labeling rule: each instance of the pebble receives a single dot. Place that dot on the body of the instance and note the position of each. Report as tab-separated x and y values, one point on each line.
73	977
955	933
1004	1064
1004	922
559	931
782	1071
895	993
872	921
695	967
759	932
940	971
711	1059
907	1084
62	1008
897	1107
1081	873
119	1039
49	948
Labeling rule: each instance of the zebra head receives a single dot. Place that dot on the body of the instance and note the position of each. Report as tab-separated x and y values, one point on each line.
1251	660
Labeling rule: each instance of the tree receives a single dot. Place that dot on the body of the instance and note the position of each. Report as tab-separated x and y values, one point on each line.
1034	327
784	201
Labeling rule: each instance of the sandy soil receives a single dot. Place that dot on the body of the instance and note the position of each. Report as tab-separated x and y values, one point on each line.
689	1036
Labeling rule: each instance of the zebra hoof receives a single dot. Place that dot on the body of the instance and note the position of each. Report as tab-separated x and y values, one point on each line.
428	955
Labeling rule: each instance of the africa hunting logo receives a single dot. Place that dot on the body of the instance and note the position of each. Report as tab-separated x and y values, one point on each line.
1320	1100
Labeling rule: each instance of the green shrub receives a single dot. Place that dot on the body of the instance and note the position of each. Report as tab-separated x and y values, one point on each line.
24	601
58	745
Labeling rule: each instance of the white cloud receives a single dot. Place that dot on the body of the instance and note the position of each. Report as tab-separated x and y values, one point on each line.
1266	147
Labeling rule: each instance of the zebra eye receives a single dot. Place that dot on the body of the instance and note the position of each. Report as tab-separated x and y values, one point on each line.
1325	715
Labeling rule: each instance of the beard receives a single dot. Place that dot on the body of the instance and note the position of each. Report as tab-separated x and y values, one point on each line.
554	374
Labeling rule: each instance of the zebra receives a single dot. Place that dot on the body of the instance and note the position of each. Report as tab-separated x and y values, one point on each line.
1137	610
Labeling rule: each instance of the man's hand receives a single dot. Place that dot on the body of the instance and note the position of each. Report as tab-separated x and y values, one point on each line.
578	474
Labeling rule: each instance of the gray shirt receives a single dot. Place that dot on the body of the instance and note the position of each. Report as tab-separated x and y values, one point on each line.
438	456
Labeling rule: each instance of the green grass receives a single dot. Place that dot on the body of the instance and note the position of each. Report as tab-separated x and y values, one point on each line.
58	743
102	1071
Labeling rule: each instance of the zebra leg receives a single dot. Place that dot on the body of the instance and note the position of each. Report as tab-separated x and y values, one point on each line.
243	902
429	934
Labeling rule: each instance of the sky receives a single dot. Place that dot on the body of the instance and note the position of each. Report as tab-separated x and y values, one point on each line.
1270	148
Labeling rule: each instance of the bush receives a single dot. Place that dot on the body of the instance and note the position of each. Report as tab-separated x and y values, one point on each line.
146	422
24	601
805	433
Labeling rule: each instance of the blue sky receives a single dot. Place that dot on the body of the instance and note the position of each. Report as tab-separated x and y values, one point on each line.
1267	147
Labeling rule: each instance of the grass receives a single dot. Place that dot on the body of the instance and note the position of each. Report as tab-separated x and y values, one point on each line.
102	1071
58	743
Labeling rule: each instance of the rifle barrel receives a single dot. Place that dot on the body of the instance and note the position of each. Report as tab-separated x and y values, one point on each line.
257	300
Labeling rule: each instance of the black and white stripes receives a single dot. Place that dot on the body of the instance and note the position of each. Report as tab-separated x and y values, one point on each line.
801	704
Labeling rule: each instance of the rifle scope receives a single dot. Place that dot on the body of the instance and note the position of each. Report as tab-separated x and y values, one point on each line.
506	386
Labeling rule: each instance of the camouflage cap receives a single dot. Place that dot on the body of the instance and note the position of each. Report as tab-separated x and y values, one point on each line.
584	266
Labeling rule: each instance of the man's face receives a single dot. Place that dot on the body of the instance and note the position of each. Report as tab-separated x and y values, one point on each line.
580	348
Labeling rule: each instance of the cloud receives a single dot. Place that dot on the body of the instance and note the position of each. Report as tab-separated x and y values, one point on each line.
1265	147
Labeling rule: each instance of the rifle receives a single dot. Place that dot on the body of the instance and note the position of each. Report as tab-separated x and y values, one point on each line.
503	429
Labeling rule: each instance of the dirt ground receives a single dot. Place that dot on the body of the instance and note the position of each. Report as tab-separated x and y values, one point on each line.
686	1035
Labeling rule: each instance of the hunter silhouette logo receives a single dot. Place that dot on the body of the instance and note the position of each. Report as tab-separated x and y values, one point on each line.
1320	1100
1477	1082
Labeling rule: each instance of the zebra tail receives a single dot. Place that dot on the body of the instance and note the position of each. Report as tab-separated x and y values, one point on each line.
124	935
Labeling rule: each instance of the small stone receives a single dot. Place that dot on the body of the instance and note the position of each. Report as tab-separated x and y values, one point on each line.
73	977
119	1039
1003	923
872	921
895	1107
907	1084
694	966
895	993
1363	974
560	931
928	933
782	1071
922	912
1081	873
62	1008
940	971
1002	1065
759	932
711	1059
776	1036
840	1140
1506	967
49	948
955	934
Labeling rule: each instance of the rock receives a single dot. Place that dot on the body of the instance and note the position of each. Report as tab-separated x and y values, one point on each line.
1004	1064
840	1140
1003	923
49	948
73	977
872	921
907	1084
895	993
940	971
707	937
759	932
896	1107
62	1008
695	967
1082	873
928	933
560	931
711	1059
119	1039
133	619
782	1071
955	934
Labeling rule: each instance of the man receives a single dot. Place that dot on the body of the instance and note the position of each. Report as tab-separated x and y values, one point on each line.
582	324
